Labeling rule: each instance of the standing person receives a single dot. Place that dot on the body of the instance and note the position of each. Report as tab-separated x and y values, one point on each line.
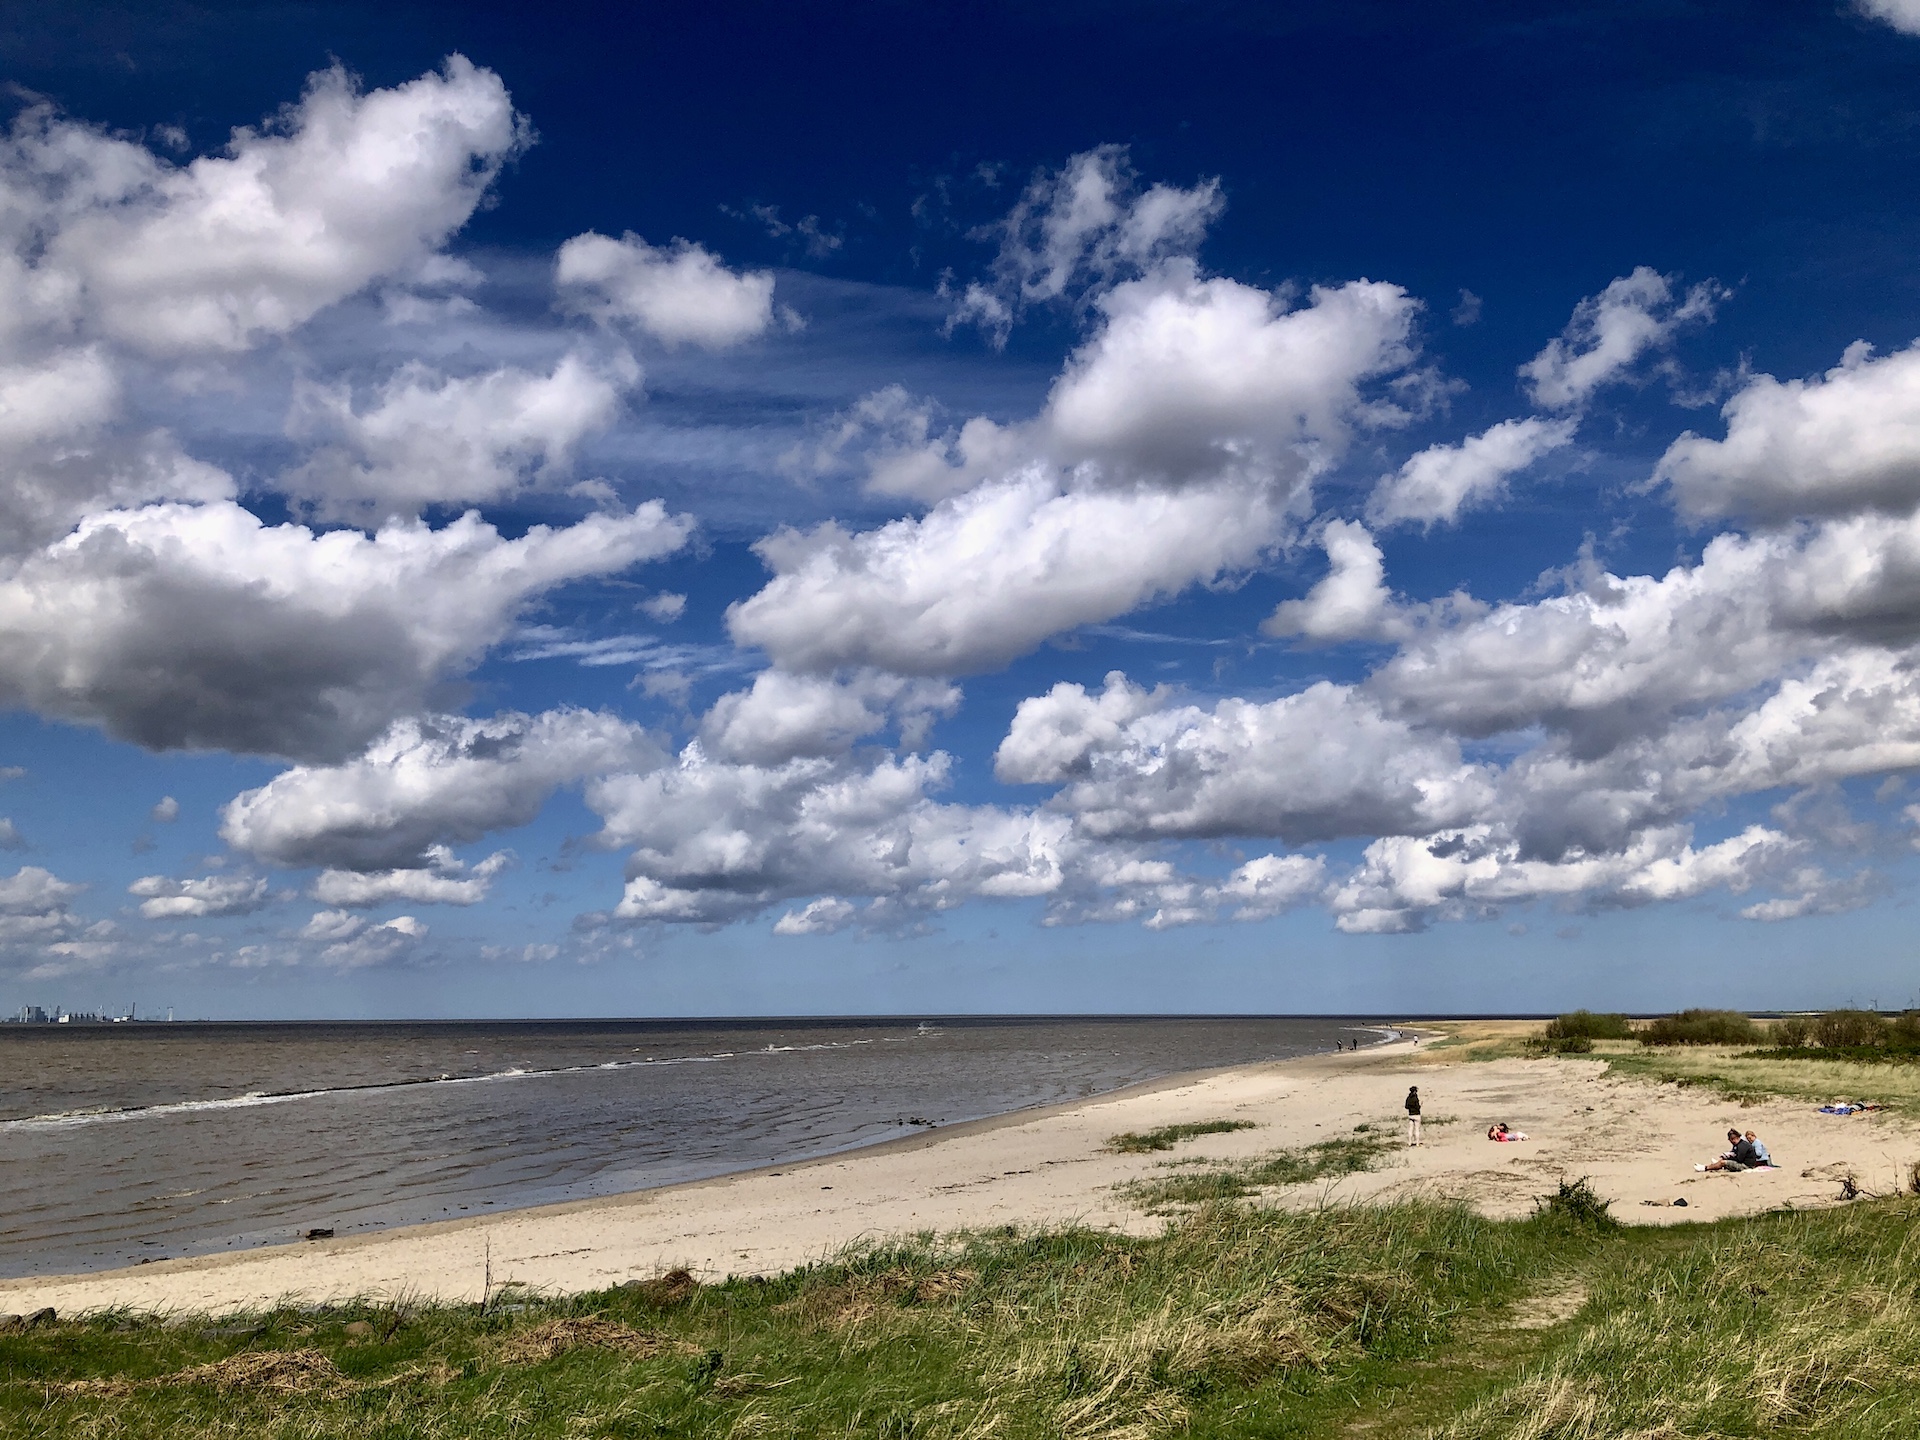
1413	1115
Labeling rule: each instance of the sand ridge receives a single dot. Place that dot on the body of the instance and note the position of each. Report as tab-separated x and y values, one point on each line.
1636	1141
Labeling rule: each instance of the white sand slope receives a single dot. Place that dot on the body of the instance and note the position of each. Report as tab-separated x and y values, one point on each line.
1636	1141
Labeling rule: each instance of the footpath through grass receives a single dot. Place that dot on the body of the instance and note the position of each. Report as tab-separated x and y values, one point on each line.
1236	1321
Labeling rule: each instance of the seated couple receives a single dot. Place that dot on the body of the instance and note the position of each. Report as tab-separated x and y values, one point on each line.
1501	1133
1745	1152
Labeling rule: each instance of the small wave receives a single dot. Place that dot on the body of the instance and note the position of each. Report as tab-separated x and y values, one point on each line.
65	1119
102	1114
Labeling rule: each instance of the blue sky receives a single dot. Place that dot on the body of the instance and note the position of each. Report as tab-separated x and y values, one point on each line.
880	508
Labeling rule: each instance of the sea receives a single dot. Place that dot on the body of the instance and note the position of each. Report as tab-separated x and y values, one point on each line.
135	1142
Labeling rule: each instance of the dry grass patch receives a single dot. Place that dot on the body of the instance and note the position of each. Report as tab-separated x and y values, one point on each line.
1473	1040
859	1298
553	1338
676	1287
260	1372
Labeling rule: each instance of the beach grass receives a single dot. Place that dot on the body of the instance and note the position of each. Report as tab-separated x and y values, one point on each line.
1409	1319
1187	1183
1233	1316
1737	1072
1165	1137
1803	1324
1457	1040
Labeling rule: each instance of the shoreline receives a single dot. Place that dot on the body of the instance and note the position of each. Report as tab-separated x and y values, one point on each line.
373	1204
11	1289
1049	1165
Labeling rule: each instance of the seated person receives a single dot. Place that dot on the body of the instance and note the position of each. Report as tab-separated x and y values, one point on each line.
1740	1155
1760	1155
1502	1134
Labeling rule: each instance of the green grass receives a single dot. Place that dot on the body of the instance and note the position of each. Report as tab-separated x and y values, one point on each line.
1805	1325
1200	1182
1863	1054
1403	1320
1476	1040
1070	1333
1741	1073
1140	1142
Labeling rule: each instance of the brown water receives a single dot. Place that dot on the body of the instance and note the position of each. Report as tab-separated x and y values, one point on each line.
129	1142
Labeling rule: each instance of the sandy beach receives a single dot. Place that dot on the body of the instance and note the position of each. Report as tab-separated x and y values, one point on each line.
1638	1142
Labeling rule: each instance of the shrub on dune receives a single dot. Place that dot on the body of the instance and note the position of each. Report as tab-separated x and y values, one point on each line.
1586	1025
1701	1027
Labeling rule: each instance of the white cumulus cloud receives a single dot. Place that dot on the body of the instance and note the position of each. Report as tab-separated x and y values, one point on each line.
168	899
429	781
990	574
1842	442
783	716
1176	447
431	439
714	842
824	916
1352	602
1433	487
198	625
40	936
1083	227
1315	765
1405	882
350	943
341	189
1609	334
680	294
443	880
1902	15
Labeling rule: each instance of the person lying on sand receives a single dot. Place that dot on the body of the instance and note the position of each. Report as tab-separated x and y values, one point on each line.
1744	1155
1849	1107
1502	1134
